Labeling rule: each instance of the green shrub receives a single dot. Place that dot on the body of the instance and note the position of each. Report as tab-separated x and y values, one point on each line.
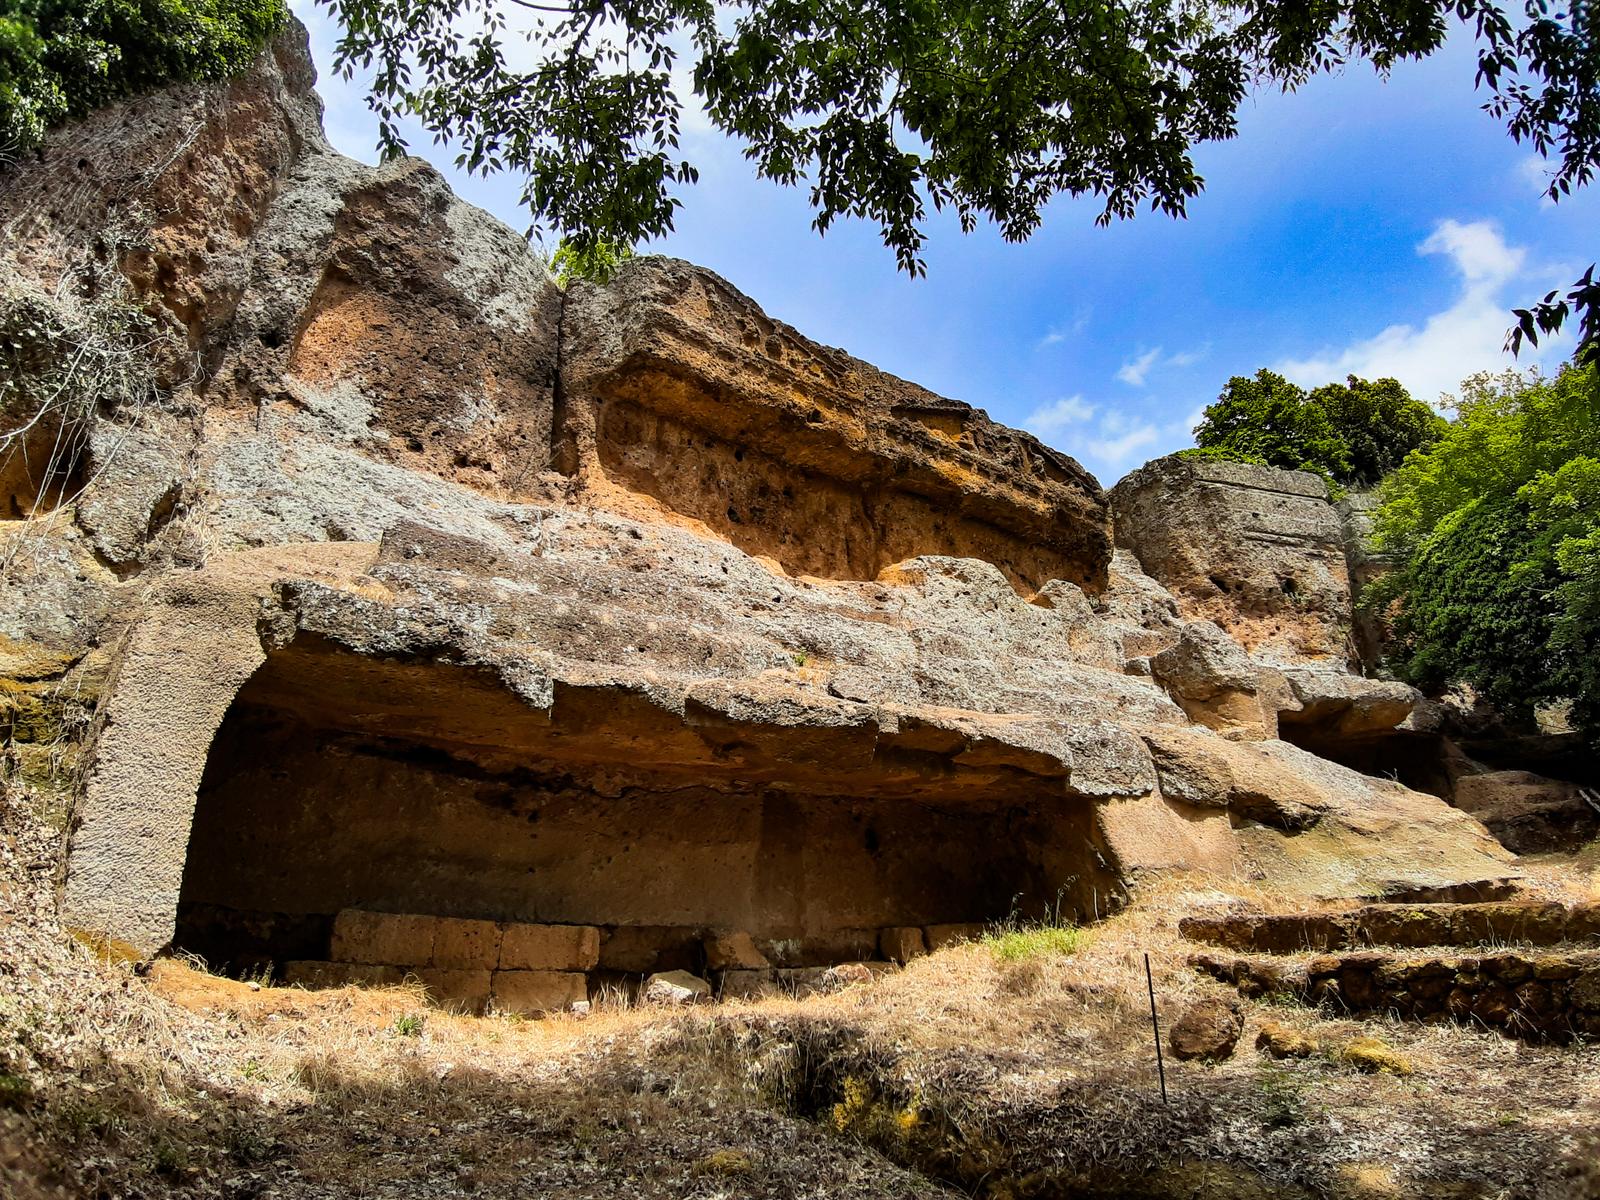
61	58
1496	528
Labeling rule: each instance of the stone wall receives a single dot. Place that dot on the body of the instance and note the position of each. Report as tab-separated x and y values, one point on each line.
1538	997
1413	925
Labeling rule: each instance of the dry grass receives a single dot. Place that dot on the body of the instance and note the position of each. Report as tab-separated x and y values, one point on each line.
1006	1066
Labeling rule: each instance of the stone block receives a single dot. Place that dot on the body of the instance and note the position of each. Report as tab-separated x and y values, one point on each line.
937	937
645	949
1540	924
315	976
901	943
1585	991
1583	923
734	951
1405	925
821	949
747	985
455	991
535	992
549	948
466	945
393	939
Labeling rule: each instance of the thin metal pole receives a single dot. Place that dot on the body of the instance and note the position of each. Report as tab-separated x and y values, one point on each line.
1155	1028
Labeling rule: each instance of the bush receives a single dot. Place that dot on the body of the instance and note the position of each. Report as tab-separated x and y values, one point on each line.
1496	529
1352	433
61	58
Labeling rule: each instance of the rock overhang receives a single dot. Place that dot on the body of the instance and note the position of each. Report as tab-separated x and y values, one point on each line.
675	543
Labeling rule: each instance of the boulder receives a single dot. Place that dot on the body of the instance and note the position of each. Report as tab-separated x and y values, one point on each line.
1216	683
1208	1029
676	987
1280	1041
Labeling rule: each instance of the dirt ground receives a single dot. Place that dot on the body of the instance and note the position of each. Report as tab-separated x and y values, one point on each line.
998	1069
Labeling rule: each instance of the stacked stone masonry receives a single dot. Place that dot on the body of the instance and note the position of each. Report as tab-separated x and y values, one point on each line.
1410	925
464	964
507	966
1536	997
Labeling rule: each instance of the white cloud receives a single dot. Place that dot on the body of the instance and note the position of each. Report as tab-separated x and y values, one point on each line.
1133	373
1116	450
1058	417
1432	358
1136	371
1535	171
1057	334
1105	440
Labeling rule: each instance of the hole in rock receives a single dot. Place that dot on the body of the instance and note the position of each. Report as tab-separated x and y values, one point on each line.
42	462
337	781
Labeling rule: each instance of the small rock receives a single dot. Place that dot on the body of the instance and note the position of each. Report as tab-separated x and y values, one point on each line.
1208	1029
837	978
1374	1054
580	1008
1282	1042
676	987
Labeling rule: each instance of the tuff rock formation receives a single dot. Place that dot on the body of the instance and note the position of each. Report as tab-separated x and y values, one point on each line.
426	588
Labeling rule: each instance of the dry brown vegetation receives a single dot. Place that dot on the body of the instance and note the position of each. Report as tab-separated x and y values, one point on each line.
969	1072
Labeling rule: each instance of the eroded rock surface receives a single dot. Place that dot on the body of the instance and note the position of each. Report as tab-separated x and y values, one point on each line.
443	593
1258	551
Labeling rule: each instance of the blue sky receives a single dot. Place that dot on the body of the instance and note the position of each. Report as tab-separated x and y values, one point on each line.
1360	225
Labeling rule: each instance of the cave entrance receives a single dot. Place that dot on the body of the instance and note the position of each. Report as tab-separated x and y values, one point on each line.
340	782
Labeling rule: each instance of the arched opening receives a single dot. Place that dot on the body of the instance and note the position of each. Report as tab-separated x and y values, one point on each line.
340	782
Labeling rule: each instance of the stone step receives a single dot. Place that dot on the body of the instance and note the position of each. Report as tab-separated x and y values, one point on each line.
1503	922
1535	997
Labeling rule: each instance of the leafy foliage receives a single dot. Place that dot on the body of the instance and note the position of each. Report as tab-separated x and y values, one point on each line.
1496	528
61	58
597	263
1550	314
1351	433
1222	454
987	107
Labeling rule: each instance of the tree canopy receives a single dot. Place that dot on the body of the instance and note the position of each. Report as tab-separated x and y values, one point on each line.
1354	433
1496	531
61	58
884	108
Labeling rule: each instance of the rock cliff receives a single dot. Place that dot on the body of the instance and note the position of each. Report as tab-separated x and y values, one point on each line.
419	585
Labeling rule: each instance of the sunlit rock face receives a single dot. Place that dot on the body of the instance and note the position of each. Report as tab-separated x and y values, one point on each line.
429	588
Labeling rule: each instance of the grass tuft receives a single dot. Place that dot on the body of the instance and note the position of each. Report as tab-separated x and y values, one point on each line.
1035	941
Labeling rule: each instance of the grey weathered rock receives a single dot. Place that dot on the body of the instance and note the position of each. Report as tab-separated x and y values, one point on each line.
676	987
1217	683
1331	703
1256	550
